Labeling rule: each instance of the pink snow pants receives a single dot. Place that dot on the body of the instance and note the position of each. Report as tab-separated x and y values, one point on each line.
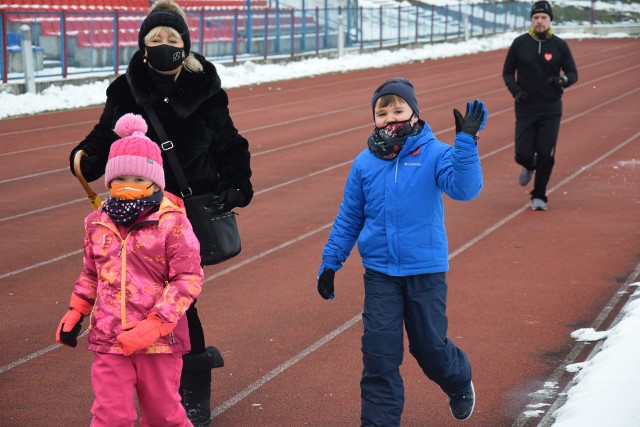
155	378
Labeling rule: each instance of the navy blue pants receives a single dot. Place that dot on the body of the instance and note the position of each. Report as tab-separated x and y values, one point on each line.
420	303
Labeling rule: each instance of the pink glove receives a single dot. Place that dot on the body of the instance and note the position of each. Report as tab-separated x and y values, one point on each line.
69	327
139	335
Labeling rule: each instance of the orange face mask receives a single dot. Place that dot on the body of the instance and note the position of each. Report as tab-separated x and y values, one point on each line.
131	190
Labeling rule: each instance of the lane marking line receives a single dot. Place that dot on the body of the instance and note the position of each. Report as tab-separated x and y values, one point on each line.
284	366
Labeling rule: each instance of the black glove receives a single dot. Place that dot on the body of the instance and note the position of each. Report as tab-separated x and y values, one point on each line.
474	119
231	198
325	283
71	338
88	166
558	82
521	96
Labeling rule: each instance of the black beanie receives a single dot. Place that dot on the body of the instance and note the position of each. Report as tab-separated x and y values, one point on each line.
542	7
401	87
160	17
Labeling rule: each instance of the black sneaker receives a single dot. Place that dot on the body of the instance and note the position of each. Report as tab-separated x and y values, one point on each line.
462	403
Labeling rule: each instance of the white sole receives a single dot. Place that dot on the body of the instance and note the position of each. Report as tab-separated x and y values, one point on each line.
472	407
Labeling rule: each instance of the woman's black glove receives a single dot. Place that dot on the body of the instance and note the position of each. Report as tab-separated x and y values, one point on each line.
231	198
87	166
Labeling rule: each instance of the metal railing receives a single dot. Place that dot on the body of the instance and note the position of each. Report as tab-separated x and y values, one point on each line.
75	43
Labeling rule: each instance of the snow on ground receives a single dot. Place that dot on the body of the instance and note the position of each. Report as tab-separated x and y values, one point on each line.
605	389
250	73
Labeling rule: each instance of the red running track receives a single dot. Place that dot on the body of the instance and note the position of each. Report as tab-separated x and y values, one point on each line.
520	281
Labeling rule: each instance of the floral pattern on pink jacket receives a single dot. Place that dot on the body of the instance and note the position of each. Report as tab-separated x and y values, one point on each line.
154	268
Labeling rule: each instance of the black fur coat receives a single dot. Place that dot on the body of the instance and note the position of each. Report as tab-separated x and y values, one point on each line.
195	115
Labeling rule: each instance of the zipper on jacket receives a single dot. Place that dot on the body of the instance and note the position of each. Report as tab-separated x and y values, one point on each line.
395	178
122	253
135	227
123	270
123	281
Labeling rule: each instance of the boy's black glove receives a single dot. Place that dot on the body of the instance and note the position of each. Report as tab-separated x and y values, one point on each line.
325	283
558	82
521	96
231	198
474	119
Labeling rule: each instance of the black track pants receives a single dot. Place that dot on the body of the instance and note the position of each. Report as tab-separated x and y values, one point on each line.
537	135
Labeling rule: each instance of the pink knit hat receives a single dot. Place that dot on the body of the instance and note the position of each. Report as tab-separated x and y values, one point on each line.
134	153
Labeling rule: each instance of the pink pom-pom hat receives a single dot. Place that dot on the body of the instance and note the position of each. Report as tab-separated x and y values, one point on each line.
134	153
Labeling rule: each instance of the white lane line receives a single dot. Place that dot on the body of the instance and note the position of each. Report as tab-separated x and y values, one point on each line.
42	147
284	366
48	208
66	125
28	358
33	175
267	252
41	264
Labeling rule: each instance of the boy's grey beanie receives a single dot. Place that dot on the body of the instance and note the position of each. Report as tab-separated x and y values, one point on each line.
398	86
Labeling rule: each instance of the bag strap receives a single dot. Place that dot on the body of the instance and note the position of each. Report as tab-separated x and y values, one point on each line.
167	147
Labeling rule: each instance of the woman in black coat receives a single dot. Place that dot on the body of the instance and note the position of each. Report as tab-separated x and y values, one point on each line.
184	90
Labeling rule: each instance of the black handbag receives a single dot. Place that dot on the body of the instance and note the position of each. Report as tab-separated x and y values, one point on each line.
216	230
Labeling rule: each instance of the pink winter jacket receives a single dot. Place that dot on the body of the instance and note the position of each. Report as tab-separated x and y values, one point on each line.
160	256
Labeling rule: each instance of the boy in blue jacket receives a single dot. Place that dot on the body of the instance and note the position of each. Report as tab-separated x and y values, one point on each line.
393	208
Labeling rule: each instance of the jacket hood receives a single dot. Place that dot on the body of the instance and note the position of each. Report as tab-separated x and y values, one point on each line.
186	95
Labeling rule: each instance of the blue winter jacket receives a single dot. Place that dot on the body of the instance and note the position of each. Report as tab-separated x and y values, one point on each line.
394	208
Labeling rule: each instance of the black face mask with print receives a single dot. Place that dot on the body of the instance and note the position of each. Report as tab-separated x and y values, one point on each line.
164	57
386	142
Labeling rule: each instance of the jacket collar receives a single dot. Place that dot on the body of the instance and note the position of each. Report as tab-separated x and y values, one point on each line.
169	203
413	142
534	35
188	92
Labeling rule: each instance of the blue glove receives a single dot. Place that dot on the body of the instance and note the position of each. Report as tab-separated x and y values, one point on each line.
325	282
474	119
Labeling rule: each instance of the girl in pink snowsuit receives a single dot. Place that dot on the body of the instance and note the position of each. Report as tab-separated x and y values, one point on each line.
141	272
